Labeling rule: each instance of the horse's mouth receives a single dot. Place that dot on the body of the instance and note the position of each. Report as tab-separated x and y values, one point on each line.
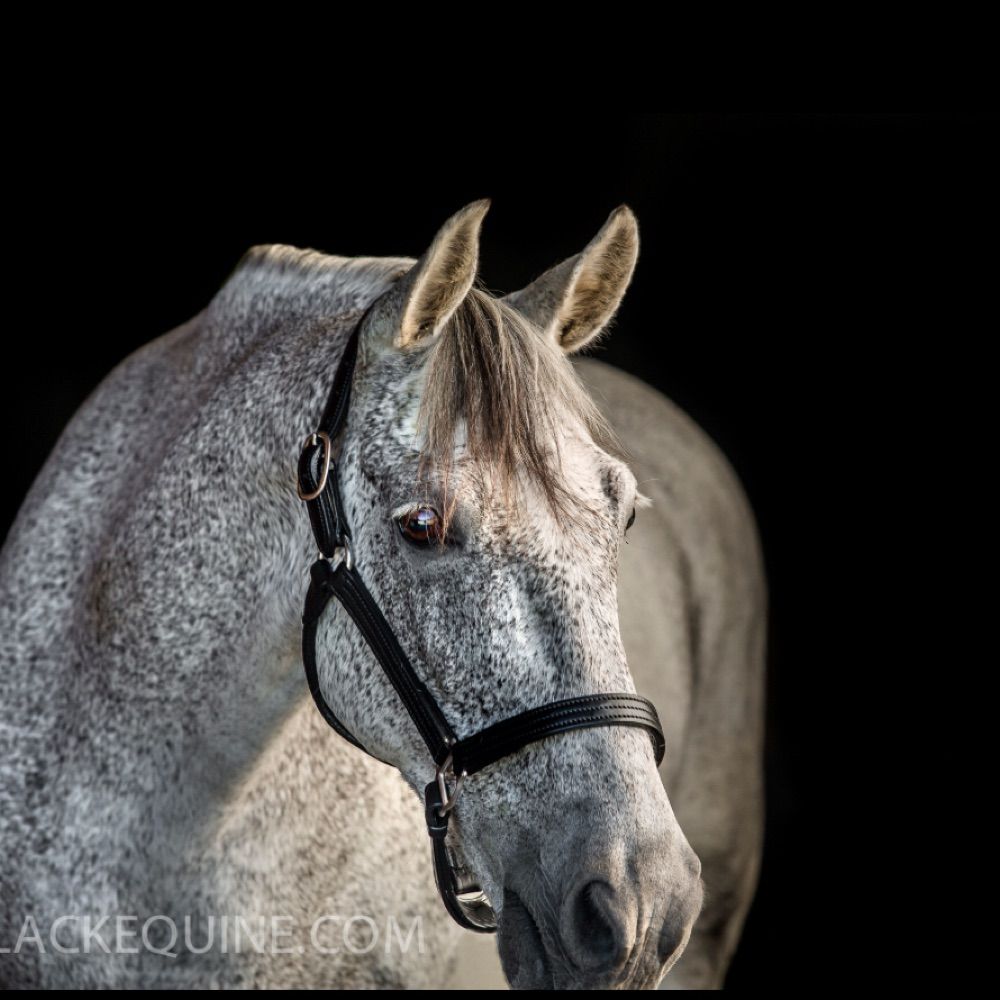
522	953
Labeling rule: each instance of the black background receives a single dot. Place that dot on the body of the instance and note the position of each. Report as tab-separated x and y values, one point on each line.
792	271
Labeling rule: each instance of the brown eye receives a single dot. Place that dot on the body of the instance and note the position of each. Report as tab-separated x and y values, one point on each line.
422	526
631	520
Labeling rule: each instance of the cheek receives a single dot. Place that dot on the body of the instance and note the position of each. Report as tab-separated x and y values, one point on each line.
452	611
581	560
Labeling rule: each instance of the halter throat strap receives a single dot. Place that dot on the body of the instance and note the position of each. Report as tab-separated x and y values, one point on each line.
336	575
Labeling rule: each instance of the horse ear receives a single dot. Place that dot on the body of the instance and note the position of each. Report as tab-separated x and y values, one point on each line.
442	277
575	300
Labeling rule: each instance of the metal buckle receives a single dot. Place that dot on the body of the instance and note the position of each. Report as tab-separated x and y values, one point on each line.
310	442
448	802
341	554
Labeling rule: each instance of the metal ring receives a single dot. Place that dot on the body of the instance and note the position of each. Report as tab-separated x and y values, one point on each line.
310	442
448	802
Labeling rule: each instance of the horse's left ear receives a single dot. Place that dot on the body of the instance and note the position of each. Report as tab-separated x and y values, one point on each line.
575	300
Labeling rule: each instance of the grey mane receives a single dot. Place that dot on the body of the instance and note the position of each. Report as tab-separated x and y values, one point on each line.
272	279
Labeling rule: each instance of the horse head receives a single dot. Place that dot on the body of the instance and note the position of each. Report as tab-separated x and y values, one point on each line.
488	500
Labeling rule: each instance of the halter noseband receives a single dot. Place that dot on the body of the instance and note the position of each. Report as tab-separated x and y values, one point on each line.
335	574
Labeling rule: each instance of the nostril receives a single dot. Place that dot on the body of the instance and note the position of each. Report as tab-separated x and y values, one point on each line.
594	930
594	924
671	939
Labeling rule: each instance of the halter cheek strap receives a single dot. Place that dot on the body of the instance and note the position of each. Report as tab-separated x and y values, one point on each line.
335	574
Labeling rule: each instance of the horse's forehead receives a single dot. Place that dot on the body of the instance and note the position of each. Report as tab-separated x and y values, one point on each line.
582	464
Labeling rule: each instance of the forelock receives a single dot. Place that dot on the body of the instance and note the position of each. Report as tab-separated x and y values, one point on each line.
513	392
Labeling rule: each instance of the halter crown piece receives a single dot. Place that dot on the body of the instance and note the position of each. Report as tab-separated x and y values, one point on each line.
335	574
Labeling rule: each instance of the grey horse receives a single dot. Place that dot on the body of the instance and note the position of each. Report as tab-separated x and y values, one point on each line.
173	810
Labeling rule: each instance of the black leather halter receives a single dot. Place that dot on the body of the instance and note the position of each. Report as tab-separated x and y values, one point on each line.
335	574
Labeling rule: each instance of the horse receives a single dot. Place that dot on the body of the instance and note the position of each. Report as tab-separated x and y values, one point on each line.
535	524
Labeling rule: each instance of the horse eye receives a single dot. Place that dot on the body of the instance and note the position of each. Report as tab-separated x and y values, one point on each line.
422	525
631	519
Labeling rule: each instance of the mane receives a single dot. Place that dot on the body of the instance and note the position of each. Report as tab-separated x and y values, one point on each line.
274	279
278	260
494	378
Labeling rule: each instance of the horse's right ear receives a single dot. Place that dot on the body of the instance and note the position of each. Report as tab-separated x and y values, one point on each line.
575	300
436	285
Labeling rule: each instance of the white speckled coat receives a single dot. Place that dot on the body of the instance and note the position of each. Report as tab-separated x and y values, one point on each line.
160	754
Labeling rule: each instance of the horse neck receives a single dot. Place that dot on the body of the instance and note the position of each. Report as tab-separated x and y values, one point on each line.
276	339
